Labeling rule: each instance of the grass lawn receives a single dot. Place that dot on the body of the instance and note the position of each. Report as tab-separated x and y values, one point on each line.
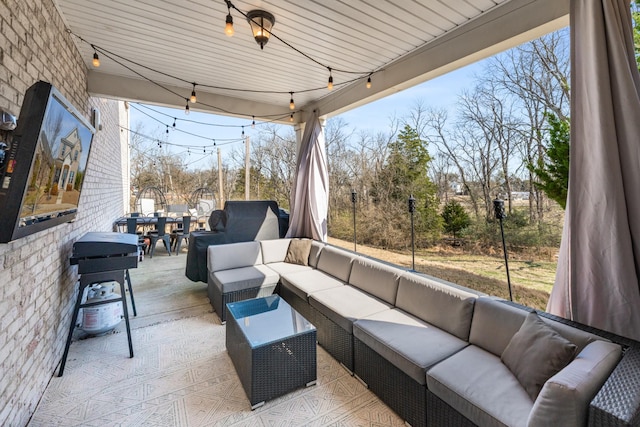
531	280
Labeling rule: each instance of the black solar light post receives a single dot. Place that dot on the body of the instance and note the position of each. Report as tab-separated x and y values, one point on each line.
498	206
354	199
412	209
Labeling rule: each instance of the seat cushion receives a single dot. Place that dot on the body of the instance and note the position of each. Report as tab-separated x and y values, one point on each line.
274	250
336	262
286	268
478	385
307	282
343	305
407	342
233	255
242	278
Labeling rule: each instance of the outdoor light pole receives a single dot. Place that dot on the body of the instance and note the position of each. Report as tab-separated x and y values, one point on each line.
412	209
354	197
498	206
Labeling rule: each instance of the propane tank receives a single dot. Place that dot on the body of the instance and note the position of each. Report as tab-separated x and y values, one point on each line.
100	319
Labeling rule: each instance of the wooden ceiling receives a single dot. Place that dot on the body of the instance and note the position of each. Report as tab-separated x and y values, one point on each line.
153	50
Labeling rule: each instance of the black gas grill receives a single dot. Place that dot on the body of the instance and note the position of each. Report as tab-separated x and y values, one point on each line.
103	257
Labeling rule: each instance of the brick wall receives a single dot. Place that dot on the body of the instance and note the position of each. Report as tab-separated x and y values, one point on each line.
37	285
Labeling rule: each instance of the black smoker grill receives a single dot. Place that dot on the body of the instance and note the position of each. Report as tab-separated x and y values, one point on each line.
103	257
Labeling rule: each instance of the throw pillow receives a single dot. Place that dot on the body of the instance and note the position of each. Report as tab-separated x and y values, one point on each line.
536	353
298	252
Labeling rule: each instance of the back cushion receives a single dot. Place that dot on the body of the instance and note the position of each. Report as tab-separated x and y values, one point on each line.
314	255
274	250
494	323
336	262
444	306
375	278
233	255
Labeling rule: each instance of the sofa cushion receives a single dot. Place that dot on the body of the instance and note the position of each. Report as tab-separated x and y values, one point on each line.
314	254
494	323
233	255
446	307
343	305
478	385
376	278
274	250
242	278
535	353
565	397
336	262
283	268
305	283
407	342
298	252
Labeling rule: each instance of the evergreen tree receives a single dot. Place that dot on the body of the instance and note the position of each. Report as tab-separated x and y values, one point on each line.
455	218
553	172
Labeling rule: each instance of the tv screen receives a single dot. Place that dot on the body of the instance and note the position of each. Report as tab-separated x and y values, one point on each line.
43	171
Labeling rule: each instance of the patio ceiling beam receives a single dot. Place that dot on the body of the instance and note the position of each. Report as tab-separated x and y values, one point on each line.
506	26
137	90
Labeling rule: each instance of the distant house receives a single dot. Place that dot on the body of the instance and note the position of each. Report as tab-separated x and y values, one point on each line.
519	195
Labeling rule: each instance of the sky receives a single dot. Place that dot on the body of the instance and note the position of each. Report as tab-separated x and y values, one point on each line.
190	131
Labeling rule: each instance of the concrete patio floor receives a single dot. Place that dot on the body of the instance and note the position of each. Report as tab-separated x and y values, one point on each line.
181	375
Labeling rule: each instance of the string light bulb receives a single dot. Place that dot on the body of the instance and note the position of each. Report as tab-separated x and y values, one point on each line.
253	123
228	28
167	129
186	108
330	83
243	131
292	105
174	122
291	117
193	98
369	82
96	58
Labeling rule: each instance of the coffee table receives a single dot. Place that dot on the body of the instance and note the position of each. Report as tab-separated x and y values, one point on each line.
272	347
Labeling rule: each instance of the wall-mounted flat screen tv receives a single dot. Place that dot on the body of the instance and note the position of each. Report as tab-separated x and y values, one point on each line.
44	166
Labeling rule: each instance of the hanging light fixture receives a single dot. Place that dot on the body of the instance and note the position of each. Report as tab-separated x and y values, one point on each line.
330	82
193	98
292	105
261	23
96	58
369	82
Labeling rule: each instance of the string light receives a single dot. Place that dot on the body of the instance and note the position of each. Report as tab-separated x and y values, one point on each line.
186	108
167	129
292	105
243	131
228	28
193	98
369	82
253	123
96	58
291	117
330	83
174	122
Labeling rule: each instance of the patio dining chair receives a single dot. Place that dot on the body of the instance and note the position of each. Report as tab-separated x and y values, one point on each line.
160	233
181	234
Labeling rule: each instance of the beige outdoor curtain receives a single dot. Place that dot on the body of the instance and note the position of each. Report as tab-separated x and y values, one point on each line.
599	263
310	192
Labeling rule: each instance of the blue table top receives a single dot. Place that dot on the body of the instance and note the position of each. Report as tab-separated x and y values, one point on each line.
268	319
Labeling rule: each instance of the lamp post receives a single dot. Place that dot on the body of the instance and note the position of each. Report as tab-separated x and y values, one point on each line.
412	209
498	206
354	198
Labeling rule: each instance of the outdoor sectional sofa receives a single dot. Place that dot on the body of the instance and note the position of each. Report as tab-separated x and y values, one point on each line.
437	353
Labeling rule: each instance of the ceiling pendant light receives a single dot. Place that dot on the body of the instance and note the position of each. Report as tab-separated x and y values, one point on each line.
292	105
261	23
369	82
330	83
193	98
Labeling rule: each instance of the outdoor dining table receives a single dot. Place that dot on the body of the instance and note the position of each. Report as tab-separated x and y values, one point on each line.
148	222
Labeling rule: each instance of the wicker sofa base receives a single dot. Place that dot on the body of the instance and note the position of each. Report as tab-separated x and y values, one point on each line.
219	300
300	305
333	338
440	414
395	388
